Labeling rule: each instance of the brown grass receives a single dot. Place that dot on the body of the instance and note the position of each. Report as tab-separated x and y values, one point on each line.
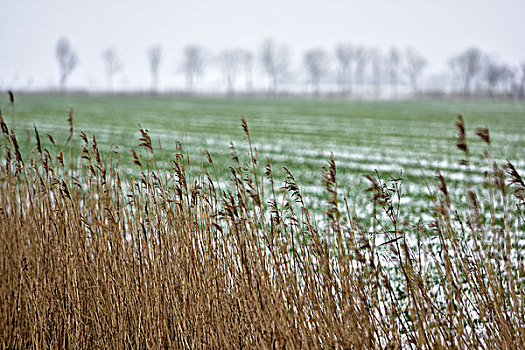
92	258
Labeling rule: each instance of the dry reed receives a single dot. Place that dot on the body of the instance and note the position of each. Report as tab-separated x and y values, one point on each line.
93	258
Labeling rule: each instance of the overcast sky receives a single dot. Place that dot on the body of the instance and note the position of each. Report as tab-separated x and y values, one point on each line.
29	30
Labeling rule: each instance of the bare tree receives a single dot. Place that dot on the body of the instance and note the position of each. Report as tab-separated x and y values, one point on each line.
492	76
467	66
247	65
315	62
521	86
509	76
275	60
495	74
193	64
112	65
377	71
236	63
415	63
231	62
154	57
67	60
362	55
345	55
393	69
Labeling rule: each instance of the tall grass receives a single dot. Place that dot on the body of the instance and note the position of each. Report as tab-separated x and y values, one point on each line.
92	257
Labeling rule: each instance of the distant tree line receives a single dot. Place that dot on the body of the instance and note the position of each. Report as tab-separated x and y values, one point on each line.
347	70
476	72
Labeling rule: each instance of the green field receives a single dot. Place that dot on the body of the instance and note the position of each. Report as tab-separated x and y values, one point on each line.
300	134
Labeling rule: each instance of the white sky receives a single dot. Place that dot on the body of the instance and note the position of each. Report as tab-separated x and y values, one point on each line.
29	30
